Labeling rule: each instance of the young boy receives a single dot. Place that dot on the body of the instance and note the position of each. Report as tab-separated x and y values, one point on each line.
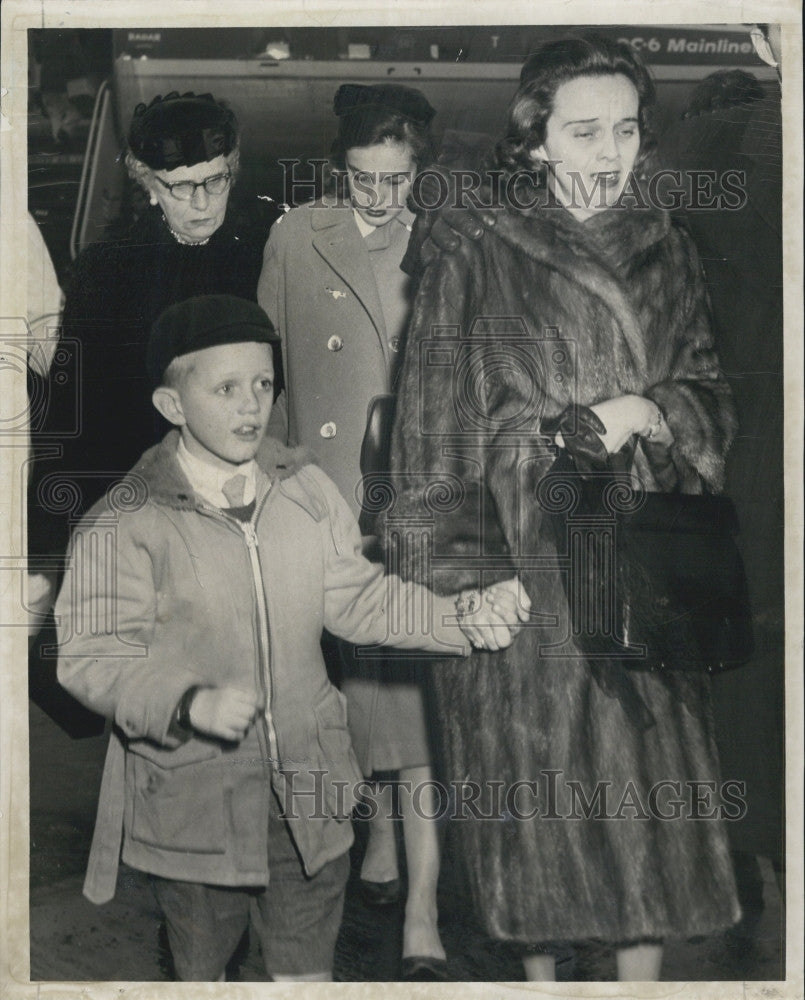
230	776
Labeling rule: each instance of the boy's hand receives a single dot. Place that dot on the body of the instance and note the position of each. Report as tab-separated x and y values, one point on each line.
225	712
492	619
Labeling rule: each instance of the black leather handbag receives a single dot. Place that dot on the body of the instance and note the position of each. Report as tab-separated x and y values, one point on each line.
654	581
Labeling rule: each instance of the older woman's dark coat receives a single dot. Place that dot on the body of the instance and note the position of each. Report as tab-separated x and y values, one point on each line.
506	332
99	410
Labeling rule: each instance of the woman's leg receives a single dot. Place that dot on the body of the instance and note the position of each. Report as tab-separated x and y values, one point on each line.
540	968
380	860
420	931
639	963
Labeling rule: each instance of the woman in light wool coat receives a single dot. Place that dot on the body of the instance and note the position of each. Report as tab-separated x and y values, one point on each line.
332	285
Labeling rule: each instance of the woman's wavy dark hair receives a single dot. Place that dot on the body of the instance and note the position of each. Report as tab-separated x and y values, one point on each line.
545	71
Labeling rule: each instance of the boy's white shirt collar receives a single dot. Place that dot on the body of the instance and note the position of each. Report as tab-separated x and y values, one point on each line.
207	480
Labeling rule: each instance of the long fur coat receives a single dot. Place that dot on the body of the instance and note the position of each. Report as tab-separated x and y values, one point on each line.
542	312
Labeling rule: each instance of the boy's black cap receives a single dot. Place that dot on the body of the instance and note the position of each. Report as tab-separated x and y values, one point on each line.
204	321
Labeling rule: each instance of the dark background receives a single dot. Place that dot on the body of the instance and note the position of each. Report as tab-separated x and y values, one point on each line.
284	105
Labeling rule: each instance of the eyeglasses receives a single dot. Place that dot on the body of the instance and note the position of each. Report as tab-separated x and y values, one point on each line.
184	190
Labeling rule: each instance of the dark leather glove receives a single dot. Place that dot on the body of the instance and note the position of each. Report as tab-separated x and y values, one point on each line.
441	228
580	428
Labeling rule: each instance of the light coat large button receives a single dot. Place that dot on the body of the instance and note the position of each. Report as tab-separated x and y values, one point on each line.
328	430
335	343
394	343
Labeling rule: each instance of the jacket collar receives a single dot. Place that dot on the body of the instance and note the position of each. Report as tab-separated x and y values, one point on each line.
620	234
592	253
328	212
160	474
614	236
152	229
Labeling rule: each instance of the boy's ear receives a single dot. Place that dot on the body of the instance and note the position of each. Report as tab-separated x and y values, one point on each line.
169	403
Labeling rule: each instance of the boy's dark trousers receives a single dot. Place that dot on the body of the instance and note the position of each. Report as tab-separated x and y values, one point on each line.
297	918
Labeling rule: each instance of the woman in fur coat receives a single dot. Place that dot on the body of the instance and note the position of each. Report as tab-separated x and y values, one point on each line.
589	809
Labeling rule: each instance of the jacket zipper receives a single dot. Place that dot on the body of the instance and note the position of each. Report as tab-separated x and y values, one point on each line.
252	546
264	632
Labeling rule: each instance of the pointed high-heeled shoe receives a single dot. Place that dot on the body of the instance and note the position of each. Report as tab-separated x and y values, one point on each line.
424	968
380	894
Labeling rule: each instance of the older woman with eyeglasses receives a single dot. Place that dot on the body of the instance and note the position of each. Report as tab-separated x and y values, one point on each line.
183	150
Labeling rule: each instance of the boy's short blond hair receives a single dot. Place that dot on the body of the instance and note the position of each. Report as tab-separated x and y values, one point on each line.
177	371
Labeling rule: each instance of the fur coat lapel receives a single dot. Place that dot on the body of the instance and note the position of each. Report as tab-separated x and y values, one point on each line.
591	254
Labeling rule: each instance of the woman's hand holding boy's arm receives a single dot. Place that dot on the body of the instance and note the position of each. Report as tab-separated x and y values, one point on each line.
225	712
